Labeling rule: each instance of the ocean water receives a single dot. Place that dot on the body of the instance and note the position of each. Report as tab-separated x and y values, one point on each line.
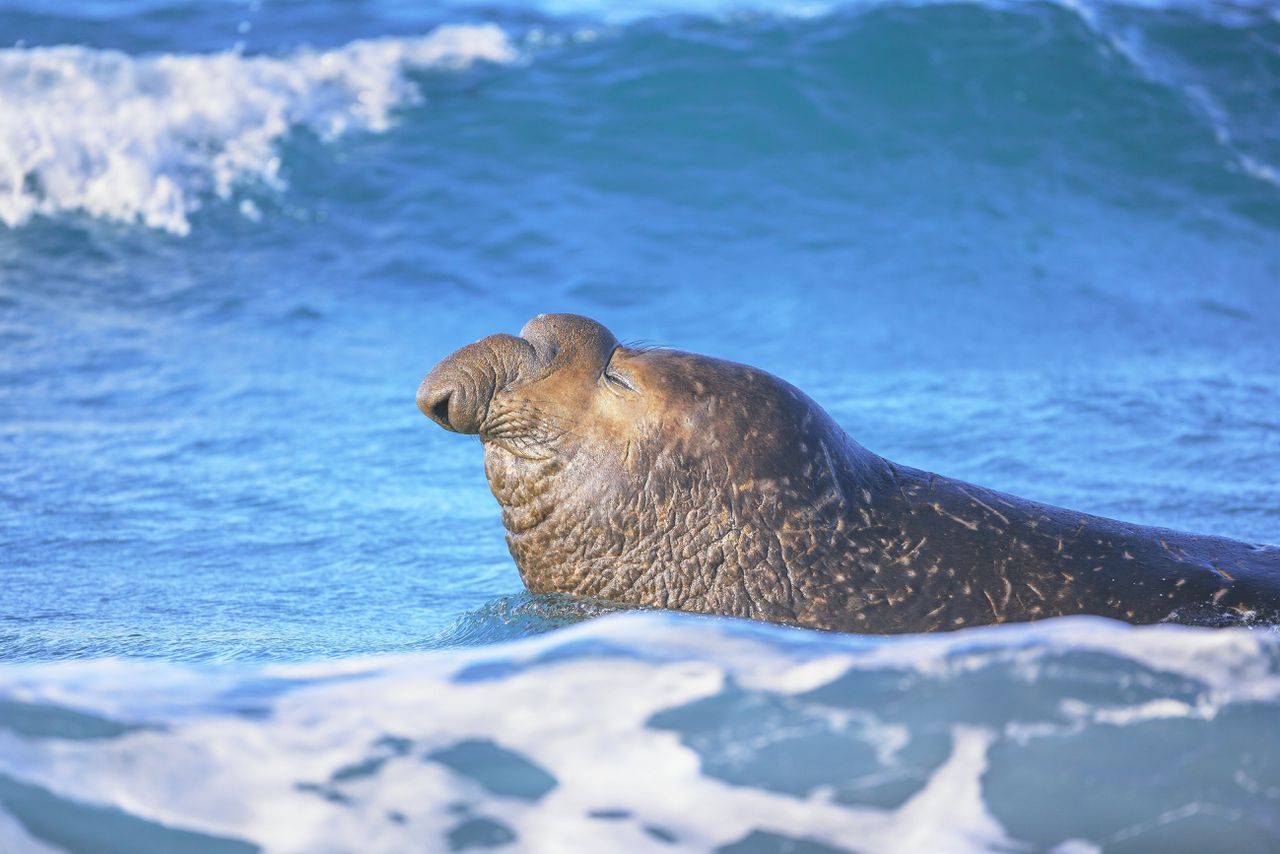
251	599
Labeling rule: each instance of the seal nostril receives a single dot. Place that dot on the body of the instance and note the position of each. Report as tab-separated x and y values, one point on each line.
440	409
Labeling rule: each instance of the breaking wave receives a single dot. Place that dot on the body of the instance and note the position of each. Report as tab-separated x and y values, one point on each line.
145	138
148	139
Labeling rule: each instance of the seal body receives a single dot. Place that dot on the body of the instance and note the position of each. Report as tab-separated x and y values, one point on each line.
668	479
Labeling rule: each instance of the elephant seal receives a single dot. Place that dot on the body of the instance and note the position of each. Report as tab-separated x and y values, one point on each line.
661	478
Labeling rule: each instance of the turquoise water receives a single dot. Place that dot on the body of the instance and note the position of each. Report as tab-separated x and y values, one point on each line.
1030	245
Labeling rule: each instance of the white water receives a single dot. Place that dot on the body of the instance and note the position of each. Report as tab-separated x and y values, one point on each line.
344	755
143	139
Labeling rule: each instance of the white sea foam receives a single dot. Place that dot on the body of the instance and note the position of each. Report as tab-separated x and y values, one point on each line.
317	767
198	774
143	139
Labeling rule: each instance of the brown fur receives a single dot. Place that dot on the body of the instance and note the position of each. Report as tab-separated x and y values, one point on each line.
662	478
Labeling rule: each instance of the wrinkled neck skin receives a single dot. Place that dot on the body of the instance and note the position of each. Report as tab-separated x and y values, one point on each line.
701	520
806	527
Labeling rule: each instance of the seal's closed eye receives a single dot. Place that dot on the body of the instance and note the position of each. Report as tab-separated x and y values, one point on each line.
615	377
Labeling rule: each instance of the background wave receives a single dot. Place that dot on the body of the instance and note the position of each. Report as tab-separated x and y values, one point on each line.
144	139
1159	89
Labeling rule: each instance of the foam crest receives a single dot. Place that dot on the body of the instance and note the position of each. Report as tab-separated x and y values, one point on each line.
144	139
602	736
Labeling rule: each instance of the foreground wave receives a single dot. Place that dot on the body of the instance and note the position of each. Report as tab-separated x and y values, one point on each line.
665	732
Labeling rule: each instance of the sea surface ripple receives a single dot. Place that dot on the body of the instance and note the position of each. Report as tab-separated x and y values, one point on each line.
1033	245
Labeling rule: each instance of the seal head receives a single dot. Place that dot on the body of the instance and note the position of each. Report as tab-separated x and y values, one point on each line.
653	476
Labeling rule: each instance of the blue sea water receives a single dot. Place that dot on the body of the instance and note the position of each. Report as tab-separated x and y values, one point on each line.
1031	245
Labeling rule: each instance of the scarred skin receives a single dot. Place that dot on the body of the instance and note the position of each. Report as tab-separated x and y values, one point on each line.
668	479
